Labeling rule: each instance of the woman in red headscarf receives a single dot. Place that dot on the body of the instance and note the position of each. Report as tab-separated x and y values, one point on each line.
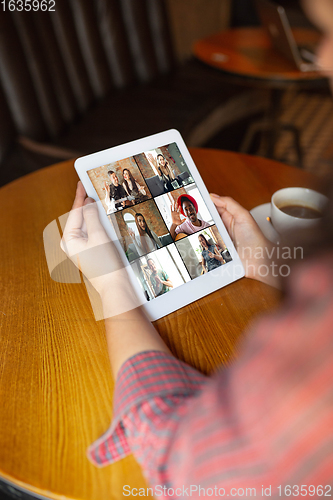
187	206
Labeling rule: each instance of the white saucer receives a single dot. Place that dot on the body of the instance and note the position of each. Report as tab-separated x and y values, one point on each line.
260	215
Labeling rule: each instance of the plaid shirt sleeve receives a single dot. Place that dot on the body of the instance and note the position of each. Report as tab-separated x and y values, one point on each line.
264	421
150	380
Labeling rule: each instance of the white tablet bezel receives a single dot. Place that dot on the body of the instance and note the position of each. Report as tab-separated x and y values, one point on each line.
196	288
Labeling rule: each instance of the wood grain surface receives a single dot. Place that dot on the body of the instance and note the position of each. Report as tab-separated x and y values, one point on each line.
248	52
55	380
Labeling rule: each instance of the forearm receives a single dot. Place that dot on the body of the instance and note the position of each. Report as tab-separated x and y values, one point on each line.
168	283
128	334
128	330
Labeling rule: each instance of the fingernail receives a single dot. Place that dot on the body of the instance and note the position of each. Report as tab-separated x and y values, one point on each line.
216	195
89	200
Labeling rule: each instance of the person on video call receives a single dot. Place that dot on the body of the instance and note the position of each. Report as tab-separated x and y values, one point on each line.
166	174
115	191
132	187
187	206
146	240
159	279
265	419
211	259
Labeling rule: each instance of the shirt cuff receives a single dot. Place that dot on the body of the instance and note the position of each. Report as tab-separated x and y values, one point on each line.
141	378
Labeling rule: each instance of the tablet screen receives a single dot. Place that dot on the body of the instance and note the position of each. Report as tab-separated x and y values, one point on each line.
160	218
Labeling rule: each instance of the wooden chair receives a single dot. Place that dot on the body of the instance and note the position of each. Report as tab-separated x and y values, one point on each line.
97	73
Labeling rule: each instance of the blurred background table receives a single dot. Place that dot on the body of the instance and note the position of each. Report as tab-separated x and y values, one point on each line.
246	55
55	377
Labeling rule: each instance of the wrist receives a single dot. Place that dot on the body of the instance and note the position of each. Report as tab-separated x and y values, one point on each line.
262	265
116	293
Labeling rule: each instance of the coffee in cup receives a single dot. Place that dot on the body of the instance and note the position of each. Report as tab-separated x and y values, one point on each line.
296	208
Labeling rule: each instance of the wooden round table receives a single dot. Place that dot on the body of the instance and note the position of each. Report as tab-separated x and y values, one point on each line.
246	56
55	377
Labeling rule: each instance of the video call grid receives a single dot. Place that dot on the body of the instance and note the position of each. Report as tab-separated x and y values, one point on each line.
152	199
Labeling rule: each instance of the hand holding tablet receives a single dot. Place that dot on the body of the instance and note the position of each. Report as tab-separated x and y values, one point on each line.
87	244
252	246
165	272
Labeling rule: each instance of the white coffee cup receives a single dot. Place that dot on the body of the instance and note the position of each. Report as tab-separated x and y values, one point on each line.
295	196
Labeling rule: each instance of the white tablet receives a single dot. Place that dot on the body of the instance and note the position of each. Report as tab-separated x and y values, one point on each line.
155	206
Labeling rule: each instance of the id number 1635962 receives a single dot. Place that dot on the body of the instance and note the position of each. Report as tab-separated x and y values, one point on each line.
28	5
305	490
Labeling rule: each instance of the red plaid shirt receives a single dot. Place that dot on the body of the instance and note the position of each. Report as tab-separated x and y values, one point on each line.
266	421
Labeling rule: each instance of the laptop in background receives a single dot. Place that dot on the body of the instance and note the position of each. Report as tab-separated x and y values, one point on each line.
274	18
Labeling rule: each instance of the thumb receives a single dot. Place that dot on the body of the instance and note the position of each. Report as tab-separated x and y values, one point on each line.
226	203
91	217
